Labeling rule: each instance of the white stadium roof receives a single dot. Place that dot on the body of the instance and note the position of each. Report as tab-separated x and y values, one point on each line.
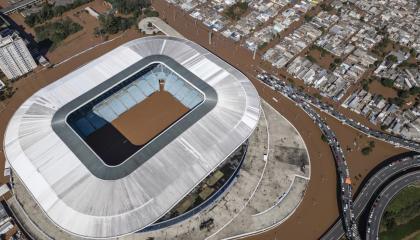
83	204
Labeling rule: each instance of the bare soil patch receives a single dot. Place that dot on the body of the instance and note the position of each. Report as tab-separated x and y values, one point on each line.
377	88
147	119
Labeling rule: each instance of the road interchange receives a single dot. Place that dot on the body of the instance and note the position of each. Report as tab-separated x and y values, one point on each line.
384	198
346	203
350	210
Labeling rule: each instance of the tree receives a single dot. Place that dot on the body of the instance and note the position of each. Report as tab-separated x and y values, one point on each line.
366	151
397	101
387	82
308	18
57	31
129	6
414	90
333	66
150	13
392	58
235	11
311	59
318	96
403	94
49	11
384	127
326	7
110	24
324	138
365	84
413	52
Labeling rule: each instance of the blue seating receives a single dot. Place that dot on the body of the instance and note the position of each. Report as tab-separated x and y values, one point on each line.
153	81
144	87
187	97
84	128
116	105
103	111
177	87
135	93
96	121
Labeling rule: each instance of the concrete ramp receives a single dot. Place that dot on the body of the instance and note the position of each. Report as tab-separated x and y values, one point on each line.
158	24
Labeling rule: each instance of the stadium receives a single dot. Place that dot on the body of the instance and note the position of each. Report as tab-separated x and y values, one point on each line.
121	144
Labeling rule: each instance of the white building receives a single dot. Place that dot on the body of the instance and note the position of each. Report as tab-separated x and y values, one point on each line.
15	58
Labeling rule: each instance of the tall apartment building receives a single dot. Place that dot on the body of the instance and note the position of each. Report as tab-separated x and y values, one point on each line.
15	58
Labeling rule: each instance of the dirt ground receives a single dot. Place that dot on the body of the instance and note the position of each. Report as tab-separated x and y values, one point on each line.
76	42
318	210
150	117
352	143
323	60
378	88
4	3
320	198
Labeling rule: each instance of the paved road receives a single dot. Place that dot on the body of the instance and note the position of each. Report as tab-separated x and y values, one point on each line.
371	187
398	141
350	210
383	200
346	202
160	25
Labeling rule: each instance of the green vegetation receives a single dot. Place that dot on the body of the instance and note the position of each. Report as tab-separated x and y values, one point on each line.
6	92
392	58
365	84
397	101
311	59
386	82
324	138
57	31
380	48
150	13
384	127
367	150
406	64
110	24
130	6
50	11
322	51
262	45
317	95
413	52
308	18
235	11
326	7
404	230
333	65
402	215
414	91
403	94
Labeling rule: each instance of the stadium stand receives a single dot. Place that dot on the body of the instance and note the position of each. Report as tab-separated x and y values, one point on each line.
111	104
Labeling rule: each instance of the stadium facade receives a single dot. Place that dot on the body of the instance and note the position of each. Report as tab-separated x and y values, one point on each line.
47	148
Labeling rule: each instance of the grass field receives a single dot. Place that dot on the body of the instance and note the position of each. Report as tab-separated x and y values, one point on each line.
402	216
402	231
